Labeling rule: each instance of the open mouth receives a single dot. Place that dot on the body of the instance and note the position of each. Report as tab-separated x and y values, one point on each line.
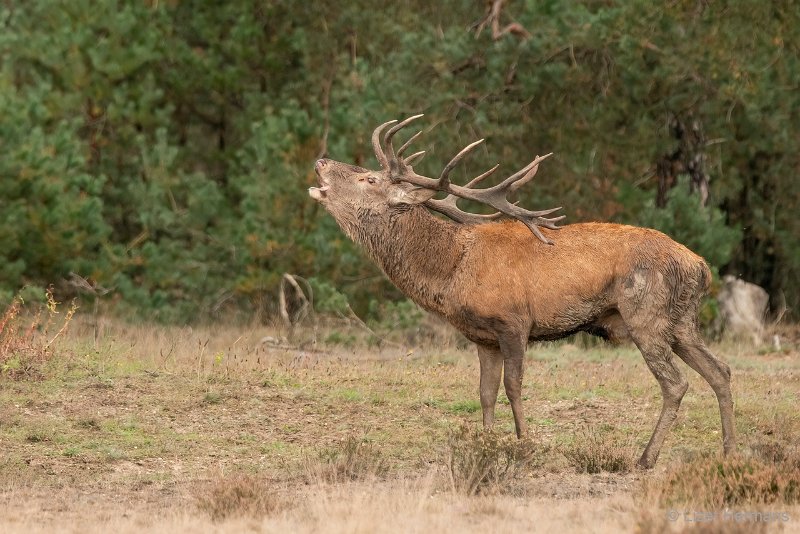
318	193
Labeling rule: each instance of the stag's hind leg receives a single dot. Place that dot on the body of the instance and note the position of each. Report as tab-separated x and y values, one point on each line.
647	305
662	363
690	348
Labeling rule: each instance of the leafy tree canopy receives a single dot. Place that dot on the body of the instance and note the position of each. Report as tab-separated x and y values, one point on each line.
164	148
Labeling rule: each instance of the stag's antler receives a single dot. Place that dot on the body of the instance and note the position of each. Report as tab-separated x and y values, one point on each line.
495	196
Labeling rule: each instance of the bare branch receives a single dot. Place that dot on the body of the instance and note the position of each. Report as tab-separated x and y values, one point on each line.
492	19
306	307
326	104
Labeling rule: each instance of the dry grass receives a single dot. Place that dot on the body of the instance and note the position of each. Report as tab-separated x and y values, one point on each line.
651	522
240	495
121	434
756	490
595	452
718	482
355	459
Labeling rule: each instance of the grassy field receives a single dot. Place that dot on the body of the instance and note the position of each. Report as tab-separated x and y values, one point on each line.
169	429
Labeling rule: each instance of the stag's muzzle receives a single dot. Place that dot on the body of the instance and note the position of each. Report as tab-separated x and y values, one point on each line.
318	193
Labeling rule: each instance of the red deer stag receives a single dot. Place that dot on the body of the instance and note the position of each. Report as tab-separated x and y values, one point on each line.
504	283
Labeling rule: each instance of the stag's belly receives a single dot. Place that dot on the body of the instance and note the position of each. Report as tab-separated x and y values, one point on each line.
607	325
488	328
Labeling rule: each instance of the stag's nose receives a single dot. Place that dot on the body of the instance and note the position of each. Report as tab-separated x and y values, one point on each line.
320	164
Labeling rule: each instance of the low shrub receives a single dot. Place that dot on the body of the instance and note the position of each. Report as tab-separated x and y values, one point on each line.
237	496
595	452
715	482
353	459
26	341
480	462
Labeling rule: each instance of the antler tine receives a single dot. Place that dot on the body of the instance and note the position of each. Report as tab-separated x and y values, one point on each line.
514	177
443	178
376	144
532	169
447	206
550	223
533	228
387	139
496	197
547	223
414	157
542	213
475	181
408	143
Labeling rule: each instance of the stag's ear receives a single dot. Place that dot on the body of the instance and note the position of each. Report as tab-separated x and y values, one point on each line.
410	195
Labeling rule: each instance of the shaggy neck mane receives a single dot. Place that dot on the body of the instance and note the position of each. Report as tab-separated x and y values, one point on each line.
417	251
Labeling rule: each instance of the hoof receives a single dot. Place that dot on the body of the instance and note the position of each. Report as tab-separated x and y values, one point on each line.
645	464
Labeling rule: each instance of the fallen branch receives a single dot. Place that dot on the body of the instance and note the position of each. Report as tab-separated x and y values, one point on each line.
363	325
306	308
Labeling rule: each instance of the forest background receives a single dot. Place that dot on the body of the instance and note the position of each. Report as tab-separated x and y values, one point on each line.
162	150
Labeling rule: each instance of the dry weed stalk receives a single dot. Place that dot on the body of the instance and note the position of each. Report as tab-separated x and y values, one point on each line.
24	350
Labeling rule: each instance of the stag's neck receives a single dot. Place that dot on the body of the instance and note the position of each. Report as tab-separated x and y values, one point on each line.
417	251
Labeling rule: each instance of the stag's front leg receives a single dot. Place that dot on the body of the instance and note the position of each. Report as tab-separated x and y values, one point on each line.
513	349
491	367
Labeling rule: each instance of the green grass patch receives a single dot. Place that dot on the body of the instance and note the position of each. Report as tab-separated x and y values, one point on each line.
212	397
464	406
349	395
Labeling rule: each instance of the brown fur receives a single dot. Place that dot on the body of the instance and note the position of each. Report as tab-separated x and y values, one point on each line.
502	287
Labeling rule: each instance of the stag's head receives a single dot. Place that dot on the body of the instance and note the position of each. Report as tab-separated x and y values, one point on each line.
352	194
348	191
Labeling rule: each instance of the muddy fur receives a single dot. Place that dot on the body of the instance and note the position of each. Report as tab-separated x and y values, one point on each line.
502	287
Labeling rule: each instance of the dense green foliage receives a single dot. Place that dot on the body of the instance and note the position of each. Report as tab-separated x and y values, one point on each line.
164	148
